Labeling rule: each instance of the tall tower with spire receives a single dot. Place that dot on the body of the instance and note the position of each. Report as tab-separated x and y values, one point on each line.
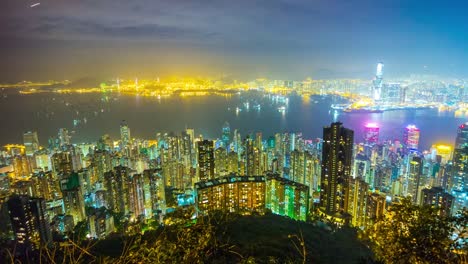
378	82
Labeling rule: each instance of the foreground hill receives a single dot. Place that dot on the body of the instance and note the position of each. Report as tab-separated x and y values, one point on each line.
233	239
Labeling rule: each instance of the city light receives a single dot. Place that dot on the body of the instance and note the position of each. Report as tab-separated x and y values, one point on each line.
372	125
233	132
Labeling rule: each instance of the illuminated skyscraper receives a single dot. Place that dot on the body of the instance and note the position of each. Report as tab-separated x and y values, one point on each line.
459	179
259	141
115	182
191	133
414	178
337	156
64	138
21	165
462	136
379	72
125	134
375	208
444	151
249	156
231	194
221	162
378	82
43	160
286	197
31	142
100	223
62	163
226	137
371	133
301	170
73	198
154	193
362	169
391	93
205	160
411	137
29	221
439	198
233	162
358	201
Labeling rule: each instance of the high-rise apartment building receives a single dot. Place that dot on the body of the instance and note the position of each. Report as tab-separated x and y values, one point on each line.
125	136
439	198
286	197
29	221
31	142
414	178
206	160
357	204
337	153
64	137
73	198
231	194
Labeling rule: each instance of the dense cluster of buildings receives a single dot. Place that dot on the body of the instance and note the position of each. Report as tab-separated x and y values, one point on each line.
118	185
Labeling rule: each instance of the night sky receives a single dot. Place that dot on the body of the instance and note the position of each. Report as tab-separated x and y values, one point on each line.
70	39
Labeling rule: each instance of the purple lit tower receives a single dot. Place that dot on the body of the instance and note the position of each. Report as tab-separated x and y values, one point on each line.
371	133
411	137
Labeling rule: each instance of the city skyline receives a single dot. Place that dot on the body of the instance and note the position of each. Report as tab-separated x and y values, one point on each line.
220	131
242	39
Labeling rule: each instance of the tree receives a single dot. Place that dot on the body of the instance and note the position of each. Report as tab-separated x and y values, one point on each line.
415	234
80	231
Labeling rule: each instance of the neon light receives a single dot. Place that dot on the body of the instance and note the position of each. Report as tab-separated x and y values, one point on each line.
412	127
372	125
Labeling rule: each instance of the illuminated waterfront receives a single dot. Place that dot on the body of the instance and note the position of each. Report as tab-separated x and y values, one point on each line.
91	115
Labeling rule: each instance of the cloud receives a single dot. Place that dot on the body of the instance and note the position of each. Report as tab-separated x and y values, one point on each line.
82	28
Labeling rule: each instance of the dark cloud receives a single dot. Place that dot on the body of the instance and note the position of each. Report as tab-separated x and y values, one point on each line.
76	28
288	38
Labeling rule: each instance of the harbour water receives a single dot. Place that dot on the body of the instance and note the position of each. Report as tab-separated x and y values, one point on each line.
89	116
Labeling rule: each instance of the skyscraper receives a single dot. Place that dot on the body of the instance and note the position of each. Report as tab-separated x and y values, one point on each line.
221	162
371	133
205	160
226	137
191	133
378	82
249	157
29	221
73	199
375	208
116	183
462	136
414	178
31	142
459	179
411	137
444	151
64	138
62	162
154	193
337	152
286	197
358	201
379	72
125	134
231	194
439	198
